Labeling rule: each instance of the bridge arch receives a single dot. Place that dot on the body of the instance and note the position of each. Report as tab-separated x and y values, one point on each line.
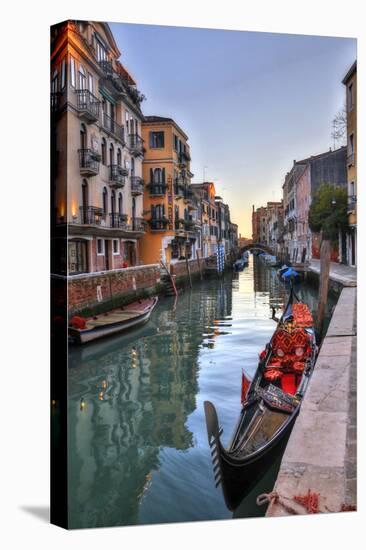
256	246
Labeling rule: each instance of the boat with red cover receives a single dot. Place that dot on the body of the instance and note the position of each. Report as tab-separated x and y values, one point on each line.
270	405
82	330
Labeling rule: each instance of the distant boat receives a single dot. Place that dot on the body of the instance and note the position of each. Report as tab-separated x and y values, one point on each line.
83	330
270	405
239	264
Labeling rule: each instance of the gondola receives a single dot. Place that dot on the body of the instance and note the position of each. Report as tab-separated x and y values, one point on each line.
83	330
270	405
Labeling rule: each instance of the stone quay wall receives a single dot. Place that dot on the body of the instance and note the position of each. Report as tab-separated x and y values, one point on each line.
179	269
321	453
105	289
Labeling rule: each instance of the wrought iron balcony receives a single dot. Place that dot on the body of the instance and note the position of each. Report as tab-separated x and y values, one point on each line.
179	225
112	127
117	220
117	175
88	105
89	162
183	156
137	224
189	225
156	189
158	224
91	215
137	185
106	66
179	188
136	144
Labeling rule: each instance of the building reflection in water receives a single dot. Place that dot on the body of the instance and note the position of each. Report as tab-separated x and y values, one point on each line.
137	392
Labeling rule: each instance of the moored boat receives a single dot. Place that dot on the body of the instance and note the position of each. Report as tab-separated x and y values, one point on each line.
82	330
270	405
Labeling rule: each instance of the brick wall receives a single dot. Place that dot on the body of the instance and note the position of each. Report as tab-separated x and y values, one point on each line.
84	290
179	269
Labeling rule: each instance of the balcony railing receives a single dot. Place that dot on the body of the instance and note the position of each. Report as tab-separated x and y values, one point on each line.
111	126
188	225
137	224
117	175
135	144
156	189
158	224
88	162
179	225
88	105
106	66
91	215
179	188
117	220
137	185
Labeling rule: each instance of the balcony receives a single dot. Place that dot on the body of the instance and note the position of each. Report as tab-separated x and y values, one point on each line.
117	175
135	144
88	162
91	215
179	188
117	220
158	224
138	224
183	157
137	185
106	67
189	225
111	126
156	189
88	105
55	101
179	225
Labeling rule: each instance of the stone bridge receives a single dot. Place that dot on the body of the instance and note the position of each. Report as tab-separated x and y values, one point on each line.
256	246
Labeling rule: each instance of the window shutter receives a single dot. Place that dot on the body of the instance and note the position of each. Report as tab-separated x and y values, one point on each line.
151	139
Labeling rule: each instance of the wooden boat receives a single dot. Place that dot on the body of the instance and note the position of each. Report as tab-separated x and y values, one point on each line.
82	330
270	405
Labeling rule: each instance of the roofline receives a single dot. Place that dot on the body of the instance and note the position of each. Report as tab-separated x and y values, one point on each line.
350	72
165	120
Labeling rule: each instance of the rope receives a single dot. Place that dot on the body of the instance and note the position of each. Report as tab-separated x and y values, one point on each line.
310	502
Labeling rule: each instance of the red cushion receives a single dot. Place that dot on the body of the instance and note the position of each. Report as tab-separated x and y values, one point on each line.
288	383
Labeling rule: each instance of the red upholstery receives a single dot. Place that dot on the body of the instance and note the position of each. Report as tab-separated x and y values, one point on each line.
288	383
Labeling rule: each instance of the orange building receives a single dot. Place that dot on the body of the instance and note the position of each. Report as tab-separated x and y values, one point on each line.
169	201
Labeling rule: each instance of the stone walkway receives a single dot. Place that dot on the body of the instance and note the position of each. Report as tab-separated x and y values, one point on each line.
321	454
340	273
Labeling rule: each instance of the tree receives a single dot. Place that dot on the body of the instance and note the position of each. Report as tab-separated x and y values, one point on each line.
327	216
339	124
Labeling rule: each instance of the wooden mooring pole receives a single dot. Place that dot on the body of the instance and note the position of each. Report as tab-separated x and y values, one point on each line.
189	272
199	264
325	251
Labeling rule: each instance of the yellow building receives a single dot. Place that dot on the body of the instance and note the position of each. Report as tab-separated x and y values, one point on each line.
350	81
168	199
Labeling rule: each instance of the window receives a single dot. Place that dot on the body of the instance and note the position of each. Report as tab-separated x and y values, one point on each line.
127	117
54	81
63	73
120	203
175	142
72	71
91	83
351	145
100	50
77	257
83	137
82	78
105	201
350	97
104	151
119	157
111	154
156	140
100	247
158	175
113	202
115	246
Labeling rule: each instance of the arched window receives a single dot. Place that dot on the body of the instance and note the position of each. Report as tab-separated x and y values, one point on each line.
83	137
119	157
82	78
120	203
111	154
104	151
85	201
105	201
113	202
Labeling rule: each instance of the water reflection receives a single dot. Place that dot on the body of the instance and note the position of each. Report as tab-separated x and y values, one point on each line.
138	448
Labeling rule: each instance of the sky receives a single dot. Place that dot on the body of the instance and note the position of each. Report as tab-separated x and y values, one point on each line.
250	102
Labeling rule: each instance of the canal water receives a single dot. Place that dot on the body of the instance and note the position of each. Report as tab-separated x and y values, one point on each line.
138	450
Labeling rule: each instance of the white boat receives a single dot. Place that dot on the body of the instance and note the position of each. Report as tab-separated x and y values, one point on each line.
82	330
